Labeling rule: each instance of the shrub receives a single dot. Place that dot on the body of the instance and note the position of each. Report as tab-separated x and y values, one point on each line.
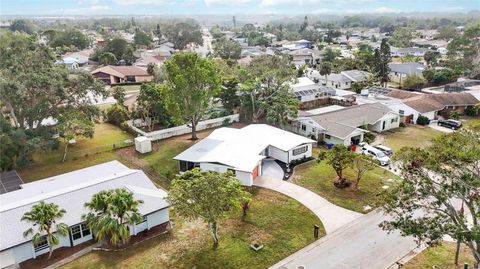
422	120
226	122
117	115
470	111
454	115
369	137
402	124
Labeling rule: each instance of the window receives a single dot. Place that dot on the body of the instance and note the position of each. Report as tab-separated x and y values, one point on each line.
394	120
131	78
43	244
327	136
144	219
80	230
299	151
401	112
304	127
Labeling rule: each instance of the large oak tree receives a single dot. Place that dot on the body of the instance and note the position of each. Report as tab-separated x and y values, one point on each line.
190	83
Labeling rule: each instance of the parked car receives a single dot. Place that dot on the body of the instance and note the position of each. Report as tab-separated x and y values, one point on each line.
388	151
452	124
376	154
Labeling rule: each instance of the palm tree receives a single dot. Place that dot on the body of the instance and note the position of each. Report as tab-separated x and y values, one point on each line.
325	69
110	214
44	216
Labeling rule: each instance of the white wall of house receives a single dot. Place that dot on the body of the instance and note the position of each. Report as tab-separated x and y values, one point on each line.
347	141
430	115
26	251
306	154
404	110
244	177
305	128
391	121
278	154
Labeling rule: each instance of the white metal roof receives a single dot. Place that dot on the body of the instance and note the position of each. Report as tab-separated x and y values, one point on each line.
241	148
70	191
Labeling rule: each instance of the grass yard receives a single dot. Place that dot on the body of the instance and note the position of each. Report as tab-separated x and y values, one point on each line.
319	178
411	136
471	122
80	155
278	222
441	257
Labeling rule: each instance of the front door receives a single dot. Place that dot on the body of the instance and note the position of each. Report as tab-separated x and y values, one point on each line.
255	172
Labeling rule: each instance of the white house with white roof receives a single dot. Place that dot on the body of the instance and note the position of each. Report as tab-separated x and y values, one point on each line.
242	150
71	191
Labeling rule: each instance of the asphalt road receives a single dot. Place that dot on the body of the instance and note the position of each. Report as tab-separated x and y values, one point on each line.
359	244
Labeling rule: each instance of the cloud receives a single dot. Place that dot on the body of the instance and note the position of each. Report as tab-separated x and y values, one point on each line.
322	11
385	10
144	2
94	9
227	2
289	2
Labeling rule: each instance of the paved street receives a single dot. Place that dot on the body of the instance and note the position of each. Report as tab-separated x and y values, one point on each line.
359	244
332	216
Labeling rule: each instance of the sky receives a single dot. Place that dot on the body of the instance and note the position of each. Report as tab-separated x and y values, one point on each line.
223	7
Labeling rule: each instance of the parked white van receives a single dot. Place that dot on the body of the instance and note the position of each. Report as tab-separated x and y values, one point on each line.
376	154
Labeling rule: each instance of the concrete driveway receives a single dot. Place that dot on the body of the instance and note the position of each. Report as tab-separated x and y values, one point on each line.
270	168
332	216
435	126
359	244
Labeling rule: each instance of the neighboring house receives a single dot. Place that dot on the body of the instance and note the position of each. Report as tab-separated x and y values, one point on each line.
462	86
82	57
145	60
68	62
70	191
336	125
111	74
303	43
305	56
418	52
434	105
251	51
411	105
242	150
307	90
399	71
342	80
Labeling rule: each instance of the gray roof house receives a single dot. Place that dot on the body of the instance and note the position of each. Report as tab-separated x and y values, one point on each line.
342	80
70	191
345	126
400	52
406	68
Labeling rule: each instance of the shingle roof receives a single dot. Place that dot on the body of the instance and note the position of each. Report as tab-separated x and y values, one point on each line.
70	191
434	102
343	122
121	71
400	94
407	68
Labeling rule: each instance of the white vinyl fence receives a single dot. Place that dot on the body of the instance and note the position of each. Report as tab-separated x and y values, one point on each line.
183	129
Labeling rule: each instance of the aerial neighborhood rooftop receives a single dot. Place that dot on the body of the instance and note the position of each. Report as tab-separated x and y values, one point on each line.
182	136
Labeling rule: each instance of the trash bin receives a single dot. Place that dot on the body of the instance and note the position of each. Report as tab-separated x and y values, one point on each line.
329	146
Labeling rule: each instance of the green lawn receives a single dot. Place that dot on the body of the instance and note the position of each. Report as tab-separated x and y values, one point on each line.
319	178
80	155
278	222
471	122
441	257
411	136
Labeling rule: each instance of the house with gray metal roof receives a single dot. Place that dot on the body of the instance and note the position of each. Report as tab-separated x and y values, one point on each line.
347	125
70	191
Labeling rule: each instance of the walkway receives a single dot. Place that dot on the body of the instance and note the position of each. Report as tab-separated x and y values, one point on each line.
359	244
332	216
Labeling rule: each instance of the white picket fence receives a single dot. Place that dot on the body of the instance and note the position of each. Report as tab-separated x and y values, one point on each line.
183	129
